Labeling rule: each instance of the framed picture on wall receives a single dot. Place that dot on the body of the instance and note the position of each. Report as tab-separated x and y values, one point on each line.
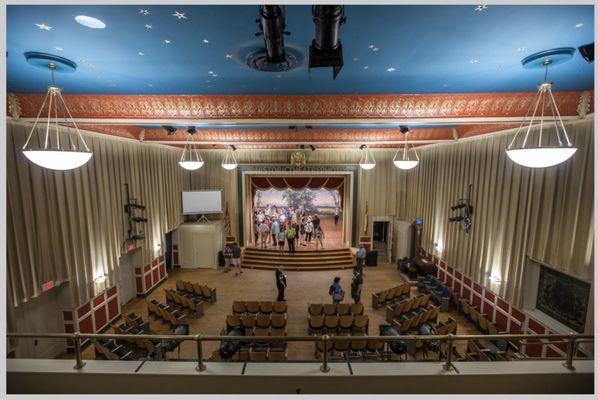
563	298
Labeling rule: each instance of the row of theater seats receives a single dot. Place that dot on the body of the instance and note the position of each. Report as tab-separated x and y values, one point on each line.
359	349
261	307
255	354
411	321
186	302
110	350
335	309
394	311
257	350
446	327
201	292
478	319
167	313
143	346
391	295
333	324
136	321
249	321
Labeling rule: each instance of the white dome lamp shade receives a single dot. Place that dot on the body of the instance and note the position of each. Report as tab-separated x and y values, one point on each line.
404	162
536	151
367	160
230	162
62	146
191	159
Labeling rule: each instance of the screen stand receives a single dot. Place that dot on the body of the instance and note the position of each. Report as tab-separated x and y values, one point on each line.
202	218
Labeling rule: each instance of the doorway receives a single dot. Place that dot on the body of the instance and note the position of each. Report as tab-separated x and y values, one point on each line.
168	251
126	289
382	237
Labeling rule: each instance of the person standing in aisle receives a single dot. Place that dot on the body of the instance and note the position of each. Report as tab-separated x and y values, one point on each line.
281	283
356	284
290	234
360	256
336	291
236	253
228	258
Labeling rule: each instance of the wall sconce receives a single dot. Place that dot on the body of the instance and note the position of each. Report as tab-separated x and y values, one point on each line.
99	284
495	279
439	248
158	246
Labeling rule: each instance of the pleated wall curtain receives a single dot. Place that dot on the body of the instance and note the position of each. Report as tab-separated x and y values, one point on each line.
545	214
71	225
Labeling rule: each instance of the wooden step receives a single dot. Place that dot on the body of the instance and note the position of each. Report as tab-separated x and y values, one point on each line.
303	268
298	256
300	251
289	261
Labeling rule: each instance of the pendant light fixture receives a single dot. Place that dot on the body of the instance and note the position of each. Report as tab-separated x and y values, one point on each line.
404	162
191	159
230	162
540	153
61	149
367	160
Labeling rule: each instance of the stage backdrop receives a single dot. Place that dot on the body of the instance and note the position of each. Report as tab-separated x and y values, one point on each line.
299	183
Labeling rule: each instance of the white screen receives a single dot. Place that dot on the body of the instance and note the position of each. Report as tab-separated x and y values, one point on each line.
202	202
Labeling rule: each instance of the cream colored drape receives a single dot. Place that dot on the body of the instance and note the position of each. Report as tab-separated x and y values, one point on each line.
71	225
546	214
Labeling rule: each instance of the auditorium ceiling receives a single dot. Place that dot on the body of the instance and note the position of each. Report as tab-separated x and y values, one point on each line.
447	72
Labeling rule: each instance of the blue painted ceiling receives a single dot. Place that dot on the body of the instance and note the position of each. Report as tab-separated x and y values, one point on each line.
387	49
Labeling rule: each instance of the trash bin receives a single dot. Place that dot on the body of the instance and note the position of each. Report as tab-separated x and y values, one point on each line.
371	259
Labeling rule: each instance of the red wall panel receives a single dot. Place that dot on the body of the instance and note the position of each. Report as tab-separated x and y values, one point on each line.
466	293
502	304
487	309
162	271
441	275
101	317
501	321
155	276
515	327
533	348
518	315
148	282
138	285
111	292
476	301
85	325
449	281
112	308
98	300
458	275
490	296
467	281
535	326
84	309
477	288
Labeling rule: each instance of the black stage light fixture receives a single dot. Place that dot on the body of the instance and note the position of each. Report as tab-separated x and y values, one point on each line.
326	49
404	129
302	146
458	206
363	146
232	146
292	127
309	127
138	219
137	237
456	219
191	130
170	130
312	147
130	206
587	52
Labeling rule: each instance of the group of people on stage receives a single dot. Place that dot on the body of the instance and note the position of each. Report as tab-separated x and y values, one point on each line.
275	227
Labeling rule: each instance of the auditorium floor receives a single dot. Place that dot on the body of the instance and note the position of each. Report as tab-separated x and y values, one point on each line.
259	285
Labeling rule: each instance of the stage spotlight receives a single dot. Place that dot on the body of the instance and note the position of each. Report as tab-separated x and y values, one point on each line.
458	206
302	146
312	147
138	219
456	219
587	52
309	127
232	146
191	130
404	129
170	130
292	127
326	49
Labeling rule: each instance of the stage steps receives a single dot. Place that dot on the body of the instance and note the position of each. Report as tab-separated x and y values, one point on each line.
254	257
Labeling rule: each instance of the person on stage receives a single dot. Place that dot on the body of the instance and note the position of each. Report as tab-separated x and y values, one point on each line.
319	237
281	283
281	237
290	234
256	229
302	232
309	229
336	215
274	229
264	233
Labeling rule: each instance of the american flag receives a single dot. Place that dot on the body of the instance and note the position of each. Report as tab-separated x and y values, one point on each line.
227	220
365	225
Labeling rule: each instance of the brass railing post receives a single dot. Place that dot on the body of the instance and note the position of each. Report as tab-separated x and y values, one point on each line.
78	357
324	367
449	352
200	364
570	352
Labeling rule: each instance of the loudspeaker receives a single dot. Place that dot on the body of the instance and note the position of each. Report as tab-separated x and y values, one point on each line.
587	52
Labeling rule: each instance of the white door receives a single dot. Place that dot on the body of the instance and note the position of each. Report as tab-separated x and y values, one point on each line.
126	290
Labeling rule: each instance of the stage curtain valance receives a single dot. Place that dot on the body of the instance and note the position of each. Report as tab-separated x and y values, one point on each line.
299	183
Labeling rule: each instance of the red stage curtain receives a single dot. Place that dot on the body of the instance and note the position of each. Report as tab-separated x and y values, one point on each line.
299	183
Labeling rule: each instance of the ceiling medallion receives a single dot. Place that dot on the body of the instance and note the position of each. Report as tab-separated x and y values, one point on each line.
298	159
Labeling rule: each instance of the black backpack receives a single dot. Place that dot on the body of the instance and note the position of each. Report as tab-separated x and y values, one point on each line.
331	290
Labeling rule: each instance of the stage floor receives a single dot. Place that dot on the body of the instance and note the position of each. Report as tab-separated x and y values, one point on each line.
333	237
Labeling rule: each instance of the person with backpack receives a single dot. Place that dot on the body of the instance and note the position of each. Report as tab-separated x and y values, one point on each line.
336	291
290	235
228	258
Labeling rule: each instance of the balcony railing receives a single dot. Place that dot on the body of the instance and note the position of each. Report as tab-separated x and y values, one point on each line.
572	340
